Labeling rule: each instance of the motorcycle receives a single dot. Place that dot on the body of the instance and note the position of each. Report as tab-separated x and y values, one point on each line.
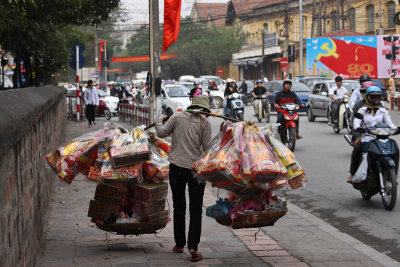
382	158
345	118
264	110
288	127
103	110
236	107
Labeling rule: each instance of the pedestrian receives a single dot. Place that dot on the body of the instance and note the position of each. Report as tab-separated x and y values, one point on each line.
191	137
392	86
91	102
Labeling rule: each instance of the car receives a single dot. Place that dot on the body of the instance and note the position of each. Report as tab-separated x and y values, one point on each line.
175	98
319	101
299	88
311	80
186	78
209	78
189	85
111	101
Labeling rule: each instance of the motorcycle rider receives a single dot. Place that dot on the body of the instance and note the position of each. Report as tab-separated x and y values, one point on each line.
243	88
259	91
374	114
283	97
357	94
230	89
196	90
213	86
337	94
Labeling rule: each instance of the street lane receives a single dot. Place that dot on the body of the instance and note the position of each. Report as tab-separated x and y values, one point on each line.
325	157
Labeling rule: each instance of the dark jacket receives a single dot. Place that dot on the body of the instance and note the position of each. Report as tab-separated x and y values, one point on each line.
286	97
244	88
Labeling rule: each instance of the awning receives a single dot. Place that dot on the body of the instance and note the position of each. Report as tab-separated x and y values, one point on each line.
253	61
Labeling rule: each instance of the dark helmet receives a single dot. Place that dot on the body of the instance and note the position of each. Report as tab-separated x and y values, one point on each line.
338	79
364	78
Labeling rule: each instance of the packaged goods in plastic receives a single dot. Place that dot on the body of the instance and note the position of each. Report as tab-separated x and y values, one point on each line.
221	208
52	159
260	159
94	174
162	144
285	154
123	173
147	192
298	182
130	148
294	171
362	171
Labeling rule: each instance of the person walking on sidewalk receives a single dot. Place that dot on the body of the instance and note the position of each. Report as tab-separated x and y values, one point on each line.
91	99
191	136
392	87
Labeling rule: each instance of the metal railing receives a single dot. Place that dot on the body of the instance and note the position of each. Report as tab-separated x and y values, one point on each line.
134	114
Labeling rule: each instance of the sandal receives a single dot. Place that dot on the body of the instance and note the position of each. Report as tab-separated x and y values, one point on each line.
177	250
194	256
350	179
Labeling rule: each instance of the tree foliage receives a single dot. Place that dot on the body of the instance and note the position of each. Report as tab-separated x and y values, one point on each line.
200	49
40	32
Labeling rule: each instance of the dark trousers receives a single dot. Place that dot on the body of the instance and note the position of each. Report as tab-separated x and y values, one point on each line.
335	111
356	156
178	178
90	113
279	119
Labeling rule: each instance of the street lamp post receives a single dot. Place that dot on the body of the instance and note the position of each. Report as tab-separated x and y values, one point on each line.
301	36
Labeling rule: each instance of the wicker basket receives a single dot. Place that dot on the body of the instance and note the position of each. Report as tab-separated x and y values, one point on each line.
253	220
131	228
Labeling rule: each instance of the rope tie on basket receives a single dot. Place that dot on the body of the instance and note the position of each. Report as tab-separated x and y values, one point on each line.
255	235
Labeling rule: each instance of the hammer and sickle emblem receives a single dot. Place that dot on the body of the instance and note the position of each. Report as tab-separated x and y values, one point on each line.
331	52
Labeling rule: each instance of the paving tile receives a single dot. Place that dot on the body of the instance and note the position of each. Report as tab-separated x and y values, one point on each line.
271	253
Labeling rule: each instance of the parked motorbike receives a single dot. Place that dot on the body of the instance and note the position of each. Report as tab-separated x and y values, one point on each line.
288	130
345	118
264	108
383	164
236	107
103	110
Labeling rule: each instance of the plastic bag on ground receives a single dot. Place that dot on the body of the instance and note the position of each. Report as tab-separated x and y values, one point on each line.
362	171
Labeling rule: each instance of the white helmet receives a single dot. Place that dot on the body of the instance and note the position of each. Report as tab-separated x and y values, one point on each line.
229	80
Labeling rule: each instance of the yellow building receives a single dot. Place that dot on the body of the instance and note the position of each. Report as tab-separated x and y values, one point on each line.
320	17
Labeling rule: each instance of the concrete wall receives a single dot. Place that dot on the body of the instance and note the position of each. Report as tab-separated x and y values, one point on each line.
31	125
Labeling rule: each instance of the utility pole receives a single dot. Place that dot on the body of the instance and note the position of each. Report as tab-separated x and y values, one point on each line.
96	49
105	63
285	52
155	68
301	36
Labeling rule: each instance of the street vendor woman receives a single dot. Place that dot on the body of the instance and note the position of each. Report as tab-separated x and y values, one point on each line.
191	136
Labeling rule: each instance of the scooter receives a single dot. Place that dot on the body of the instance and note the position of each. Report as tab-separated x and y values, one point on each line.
383	164
264	108
289	133
103	110
236	107
345	118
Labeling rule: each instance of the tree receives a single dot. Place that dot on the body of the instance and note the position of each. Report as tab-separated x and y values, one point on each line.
40	32
200	49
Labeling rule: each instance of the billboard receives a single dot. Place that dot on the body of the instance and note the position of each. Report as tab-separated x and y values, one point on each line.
349	56
385	43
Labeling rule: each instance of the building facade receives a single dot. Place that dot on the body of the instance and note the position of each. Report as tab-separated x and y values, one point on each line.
320	17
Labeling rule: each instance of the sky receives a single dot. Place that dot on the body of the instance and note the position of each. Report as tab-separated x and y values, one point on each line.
138	9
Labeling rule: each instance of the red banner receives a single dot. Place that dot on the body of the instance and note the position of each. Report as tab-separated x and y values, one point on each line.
143	58
117	70
172	20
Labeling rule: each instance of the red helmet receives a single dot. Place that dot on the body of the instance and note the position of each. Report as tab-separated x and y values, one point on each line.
213	81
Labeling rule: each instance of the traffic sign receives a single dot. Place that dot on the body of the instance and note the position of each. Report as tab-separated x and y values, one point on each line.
220	72
284	62
72	61
95	75
285	69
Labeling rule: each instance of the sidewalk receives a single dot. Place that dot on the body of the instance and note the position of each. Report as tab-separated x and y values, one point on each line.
72	240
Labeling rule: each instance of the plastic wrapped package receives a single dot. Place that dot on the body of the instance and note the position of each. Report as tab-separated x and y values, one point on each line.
157	169
298	182
263	164
122	174
130	148
294	171
162	144
221	208
94	174
285	155
362	171
66	172
52	159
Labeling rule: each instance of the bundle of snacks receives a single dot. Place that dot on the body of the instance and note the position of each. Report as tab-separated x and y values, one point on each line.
244	161
130	148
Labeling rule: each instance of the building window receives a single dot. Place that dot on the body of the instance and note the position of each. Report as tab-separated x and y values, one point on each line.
265	28
352	19
391	10
371	17
335	26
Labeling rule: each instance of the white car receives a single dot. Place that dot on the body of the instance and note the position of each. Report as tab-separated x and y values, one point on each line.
175	98
111	101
